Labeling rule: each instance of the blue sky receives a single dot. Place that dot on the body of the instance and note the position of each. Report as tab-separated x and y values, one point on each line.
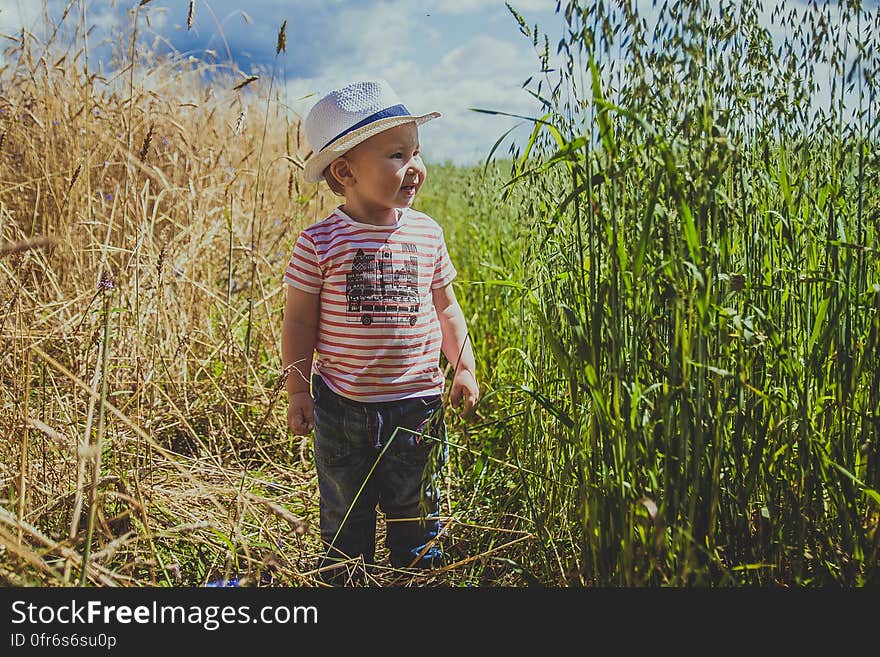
443	55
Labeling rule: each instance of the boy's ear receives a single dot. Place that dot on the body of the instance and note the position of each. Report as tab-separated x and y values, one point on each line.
340	169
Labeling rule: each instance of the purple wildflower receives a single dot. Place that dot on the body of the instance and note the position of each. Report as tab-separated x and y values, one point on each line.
223	582
106	283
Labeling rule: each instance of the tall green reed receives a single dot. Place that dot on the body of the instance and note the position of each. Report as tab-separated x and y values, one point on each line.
702	287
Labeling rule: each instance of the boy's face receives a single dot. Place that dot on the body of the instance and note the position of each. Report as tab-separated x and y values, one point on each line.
386	171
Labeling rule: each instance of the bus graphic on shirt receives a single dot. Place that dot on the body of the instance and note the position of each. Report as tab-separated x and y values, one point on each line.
378	291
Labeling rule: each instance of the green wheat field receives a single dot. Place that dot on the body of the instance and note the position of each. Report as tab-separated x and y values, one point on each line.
672	289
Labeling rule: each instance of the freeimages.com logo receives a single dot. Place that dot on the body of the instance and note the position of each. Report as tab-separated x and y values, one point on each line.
210	617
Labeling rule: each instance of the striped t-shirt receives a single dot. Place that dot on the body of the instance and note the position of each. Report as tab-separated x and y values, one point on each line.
378	333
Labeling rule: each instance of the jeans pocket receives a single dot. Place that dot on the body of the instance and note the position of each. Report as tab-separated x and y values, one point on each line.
419	427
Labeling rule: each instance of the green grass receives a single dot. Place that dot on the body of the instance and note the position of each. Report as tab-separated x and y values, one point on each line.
673	297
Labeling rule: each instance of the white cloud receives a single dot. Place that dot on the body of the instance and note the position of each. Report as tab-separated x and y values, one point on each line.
30	15
378	38
473	6
14	14
485	73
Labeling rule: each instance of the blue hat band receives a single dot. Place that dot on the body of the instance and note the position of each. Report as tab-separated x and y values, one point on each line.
387	113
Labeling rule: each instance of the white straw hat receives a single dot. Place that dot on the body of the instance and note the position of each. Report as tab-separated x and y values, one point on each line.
347	116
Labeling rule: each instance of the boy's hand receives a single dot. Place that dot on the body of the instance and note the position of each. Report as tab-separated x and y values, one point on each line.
301	413
464	389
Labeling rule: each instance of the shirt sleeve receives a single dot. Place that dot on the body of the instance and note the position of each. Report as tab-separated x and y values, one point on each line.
444	270
304	269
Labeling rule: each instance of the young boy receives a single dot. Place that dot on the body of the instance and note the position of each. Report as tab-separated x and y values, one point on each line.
369	294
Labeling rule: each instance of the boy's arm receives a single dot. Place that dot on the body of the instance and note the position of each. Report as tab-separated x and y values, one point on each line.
299	332
456	346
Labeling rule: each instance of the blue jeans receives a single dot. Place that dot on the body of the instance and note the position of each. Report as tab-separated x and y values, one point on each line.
371	453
